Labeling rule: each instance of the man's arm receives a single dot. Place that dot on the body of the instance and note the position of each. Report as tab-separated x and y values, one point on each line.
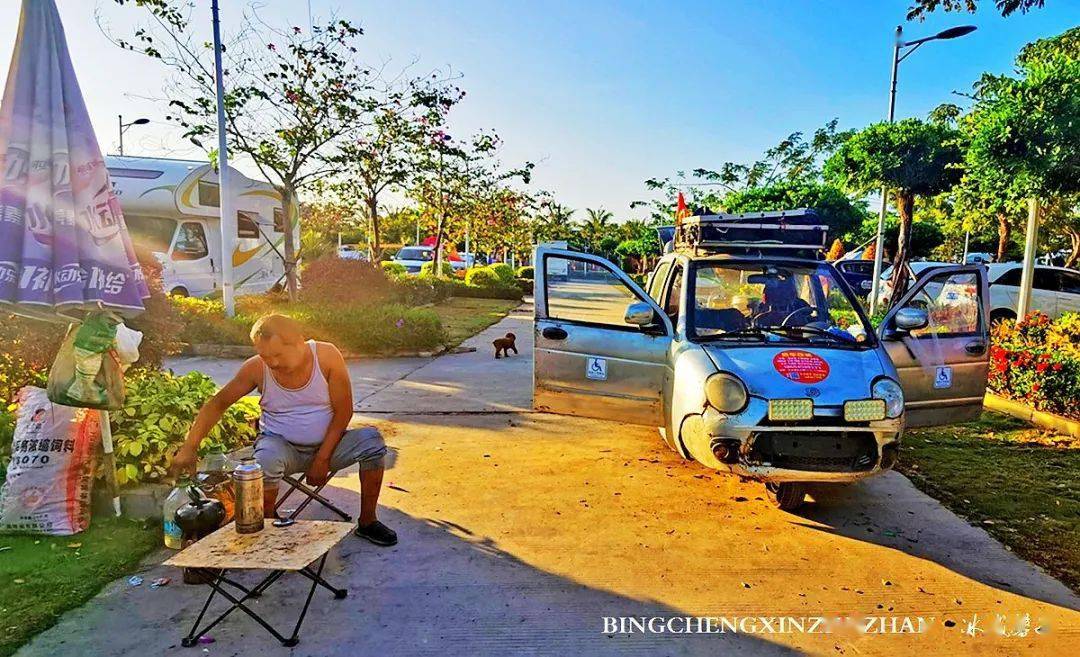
246	380
341	402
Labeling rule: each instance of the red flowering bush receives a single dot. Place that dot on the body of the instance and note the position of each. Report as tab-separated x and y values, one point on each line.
1037	361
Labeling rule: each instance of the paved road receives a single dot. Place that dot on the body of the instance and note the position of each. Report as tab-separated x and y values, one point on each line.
521	531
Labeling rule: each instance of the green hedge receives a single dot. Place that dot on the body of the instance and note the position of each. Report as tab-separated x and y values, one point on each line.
393	268
504	271
428	268
527	272
482	276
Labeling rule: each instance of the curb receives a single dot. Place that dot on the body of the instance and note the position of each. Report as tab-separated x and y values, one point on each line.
1028	414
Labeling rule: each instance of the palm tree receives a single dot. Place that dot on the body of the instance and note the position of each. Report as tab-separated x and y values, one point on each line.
555	224
595	227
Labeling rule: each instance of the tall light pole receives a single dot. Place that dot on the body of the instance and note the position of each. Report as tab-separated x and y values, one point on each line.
125	126
899	55
228	216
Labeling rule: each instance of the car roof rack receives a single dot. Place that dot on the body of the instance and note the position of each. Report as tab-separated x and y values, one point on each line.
799	233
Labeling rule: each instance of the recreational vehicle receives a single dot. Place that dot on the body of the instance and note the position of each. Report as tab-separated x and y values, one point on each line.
172	208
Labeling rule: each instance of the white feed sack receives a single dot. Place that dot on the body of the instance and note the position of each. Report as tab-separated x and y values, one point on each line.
51	472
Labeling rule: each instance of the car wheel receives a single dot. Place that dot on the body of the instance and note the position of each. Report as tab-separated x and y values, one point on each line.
1000	315
786	496
179	292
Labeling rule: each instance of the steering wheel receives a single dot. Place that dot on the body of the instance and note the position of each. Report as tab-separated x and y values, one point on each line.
805	309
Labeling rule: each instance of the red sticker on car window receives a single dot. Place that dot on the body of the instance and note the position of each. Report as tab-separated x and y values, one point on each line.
801	366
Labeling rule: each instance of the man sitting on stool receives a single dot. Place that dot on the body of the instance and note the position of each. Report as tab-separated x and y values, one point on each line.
306	406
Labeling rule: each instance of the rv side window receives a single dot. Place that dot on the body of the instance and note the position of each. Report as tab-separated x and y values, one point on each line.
247	224
190	242
279	220
209	194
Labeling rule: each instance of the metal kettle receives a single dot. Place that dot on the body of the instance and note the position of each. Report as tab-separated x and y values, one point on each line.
201	516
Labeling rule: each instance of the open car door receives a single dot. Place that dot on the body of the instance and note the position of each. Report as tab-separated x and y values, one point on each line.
601	342
943	364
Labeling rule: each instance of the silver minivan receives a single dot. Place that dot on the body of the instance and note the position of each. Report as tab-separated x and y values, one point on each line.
760	365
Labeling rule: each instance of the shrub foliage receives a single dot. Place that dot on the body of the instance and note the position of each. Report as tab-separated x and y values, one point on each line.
1037	361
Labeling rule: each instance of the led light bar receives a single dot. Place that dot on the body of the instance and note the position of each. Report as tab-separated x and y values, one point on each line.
864	410
791	409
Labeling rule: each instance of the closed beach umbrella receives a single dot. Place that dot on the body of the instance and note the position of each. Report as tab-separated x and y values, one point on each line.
64	248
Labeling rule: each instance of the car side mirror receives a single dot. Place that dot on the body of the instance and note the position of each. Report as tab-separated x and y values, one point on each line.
905	320
640	314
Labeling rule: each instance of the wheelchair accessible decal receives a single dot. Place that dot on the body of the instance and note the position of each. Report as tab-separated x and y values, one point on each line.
943	377
801	366
596	368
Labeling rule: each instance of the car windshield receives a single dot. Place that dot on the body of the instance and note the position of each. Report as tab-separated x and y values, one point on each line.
415	254
772	302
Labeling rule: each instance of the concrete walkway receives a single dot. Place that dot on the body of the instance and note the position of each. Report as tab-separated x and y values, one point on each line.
521	531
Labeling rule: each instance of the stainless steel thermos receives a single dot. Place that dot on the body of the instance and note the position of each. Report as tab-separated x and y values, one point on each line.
248	479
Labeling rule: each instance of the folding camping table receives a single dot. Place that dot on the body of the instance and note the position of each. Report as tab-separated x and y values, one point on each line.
276	549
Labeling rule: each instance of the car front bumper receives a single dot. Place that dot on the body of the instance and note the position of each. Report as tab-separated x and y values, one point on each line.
826	449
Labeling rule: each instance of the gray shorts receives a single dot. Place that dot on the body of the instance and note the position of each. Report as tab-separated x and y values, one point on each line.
279	457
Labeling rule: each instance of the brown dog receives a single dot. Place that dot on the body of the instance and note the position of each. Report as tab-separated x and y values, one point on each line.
505	345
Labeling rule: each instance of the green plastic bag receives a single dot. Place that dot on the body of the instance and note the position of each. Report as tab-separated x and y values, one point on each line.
87	372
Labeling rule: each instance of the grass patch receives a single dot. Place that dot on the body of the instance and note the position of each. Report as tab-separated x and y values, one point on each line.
463	318
1020	484
41	577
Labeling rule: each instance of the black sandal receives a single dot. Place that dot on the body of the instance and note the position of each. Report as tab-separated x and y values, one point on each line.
377	533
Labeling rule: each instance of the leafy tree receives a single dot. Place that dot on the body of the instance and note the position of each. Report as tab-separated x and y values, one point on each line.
841	214
1024	131
912	158
290	97
639	245
554	222
920	8
323	220
795	159
595	228
381	157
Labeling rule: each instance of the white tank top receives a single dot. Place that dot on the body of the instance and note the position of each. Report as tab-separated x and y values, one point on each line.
300	415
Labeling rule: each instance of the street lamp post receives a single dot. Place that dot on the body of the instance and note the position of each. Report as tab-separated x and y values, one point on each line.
125	126
899	55
228	216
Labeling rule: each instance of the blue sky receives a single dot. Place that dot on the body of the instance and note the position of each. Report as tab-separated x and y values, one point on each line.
603	94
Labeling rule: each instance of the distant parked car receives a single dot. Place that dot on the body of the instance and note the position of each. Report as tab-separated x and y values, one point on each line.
352	252
414	257
859	274
1054	291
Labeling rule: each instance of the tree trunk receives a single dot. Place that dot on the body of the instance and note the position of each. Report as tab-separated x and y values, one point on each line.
1074	255
288	201
905	204
439	227
373	214
1004	235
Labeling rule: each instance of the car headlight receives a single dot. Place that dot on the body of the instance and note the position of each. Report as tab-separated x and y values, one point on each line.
891	393
726	393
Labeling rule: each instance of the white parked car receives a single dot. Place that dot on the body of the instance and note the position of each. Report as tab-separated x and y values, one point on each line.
414	257
1055	290
352	252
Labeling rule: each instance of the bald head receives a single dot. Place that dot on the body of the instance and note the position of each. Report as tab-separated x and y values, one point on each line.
282	327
